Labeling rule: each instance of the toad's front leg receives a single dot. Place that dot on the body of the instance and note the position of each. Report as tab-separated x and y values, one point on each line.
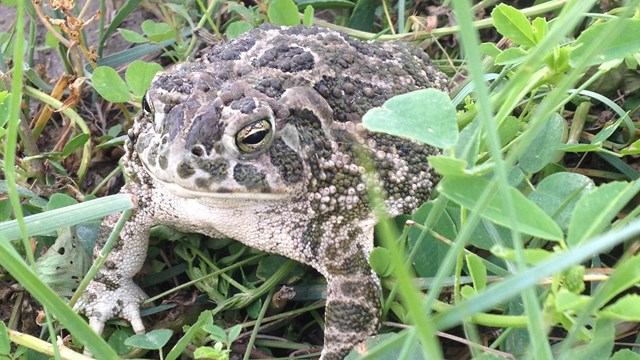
113	293
353	309
352	313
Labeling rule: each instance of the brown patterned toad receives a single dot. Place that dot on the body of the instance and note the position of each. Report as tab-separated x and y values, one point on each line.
260	140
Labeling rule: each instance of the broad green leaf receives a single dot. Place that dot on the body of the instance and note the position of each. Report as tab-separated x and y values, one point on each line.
157	32
448	166
74	144
625	42
307	20
511	56
50	40
468	146
625	354
558	60
216	332
430	252
110	85
363	16
207	352
5	343
489	49
132	36
380	262
558	193
153	340
283	12
513	25
139	75
234	332
507	130
594	211
117	141
114	130
632	149
626	308
544	145
488	234
626	275
516	341
5	99
477	270
529	218
566	300
425	115
237	28
539	27
253	310
59	200
243	12
117	339
601	344
468	292
57	166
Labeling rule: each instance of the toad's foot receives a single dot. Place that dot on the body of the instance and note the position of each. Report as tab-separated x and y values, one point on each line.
101	302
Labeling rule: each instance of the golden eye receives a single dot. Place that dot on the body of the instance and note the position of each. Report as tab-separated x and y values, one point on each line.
254	136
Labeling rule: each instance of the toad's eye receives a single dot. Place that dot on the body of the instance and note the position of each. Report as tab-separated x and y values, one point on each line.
254	137
146	106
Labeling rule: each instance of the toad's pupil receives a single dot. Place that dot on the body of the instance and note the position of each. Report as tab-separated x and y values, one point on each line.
255	137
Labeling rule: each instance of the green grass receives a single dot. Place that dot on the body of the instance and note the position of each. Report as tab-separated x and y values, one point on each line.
528	245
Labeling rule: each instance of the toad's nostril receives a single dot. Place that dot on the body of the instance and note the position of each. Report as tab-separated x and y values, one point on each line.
197	150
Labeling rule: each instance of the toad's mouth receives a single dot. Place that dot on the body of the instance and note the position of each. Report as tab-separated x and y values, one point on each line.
232	194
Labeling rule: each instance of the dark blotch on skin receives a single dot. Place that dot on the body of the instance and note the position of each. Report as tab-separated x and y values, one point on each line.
206	130
174	120
203	183
349	316
231	50
311	240
249	177
286	58
153	154
245	105
287	161
217	168
185	169
163	161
